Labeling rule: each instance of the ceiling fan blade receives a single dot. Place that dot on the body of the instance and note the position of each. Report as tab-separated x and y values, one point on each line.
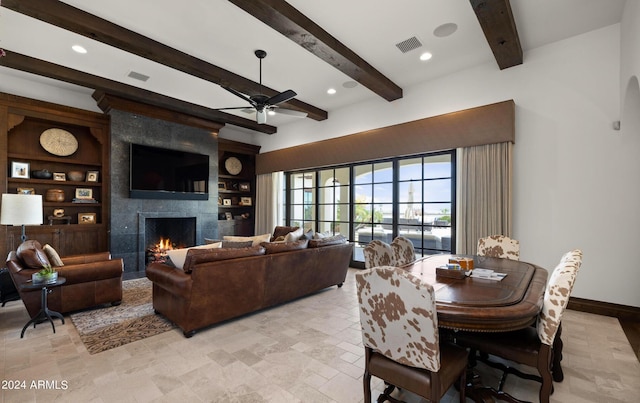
281	97
290	112
235	107
239	94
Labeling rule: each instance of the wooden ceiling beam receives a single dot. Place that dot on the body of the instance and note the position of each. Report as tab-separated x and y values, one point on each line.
75	20
499	27
281	16
43	68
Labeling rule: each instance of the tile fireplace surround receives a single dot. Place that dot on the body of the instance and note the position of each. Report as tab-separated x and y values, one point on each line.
128	215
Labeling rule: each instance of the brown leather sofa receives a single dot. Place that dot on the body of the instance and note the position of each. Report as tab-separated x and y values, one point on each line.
91	279
215	285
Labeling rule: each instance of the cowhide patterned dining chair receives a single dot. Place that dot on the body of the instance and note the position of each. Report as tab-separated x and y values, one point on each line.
377	253
403	251
533	346
400	336
499	246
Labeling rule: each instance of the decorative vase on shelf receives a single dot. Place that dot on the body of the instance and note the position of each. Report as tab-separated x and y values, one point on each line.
54	195
75	176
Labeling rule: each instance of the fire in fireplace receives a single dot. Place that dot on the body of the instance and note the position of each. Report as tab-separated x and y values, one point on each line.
162	234
158	252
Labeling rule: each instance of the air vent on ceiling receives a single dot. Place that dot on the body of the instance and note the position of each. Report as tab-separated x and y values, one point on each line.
409	44
137	76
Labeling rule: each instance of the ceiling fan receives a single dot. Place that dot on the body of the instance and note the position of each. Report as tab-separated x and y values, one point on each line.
263	104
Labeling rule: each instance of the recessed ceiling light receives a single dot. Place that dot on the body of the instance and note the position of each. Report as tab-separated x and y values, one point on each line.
331	91
271	112
425	56
79	49
445	29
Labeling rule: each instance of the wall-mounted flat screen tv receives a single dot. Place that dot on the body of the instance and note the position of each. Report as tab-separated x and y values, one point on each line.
161	173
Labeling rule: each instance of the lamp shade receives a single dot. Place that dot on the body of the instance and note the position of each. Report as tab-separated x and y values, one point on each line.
17	209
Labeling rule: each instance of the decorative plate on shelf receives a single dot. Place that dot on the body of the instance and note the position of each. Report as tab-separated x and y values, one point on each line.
58	142
233	165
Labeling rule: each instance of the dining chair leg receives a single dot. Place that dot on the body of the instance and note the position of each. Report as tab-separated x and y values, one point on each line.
544	368
366	381
463	388
556	368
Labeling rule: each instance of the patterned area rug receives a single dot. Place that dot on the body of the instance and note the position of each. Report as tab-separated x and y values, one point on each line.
134	319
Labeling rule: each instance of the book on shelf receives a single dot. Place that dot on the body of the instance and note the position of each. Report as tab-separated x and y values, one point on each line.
84	201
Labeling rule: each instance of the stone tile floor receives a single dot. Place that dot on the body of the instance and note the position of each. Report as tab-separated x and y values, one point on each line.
307	351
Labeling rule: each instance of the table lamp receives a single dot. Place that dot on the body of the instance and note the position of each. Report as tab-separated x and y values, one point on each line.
18	209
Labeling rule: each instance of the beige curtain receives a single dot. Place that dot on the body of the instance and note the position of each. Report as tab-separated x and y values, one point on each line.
484	194
268	202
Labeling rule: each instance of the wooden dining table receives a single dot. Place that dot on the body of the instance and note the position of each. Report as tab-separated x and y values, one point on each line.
485	305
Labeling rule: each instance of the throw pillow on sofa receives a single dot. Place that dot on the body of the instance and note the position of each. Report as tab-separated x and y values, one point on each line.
277	247
53	255
32	255
256	240
281	231
178	256
230	244
321	235
197	256
330	240
294	235
308	234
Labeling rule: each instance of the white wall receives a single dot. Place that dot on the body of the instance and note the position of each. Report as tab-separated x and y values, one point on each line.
630	44
575	177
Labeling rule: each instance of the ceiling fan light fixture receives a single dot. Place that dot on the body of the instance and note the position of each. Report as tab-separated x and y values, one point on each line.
261	117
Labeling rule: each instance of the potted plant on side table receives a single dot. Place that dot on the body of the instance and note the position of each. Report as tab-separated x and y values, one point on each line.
46	275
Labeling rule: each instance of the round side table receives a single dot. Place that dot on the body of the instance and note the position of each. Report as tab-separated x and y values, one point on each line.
44	314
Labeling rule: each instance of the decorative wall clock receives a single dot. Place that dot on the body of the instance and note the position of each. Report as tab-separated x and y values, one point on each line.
233	165
58	142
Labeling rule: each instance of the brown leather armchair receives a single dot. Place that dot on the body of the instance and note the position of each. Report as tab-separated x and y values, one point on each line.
91	279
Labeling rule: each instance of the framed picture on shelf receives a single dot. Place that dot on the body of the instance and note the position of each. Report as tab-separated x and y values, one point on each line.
59	176
84	193
86	218
26	191
92	176
245	201
222	186
228	216
244	187
226	202
20	169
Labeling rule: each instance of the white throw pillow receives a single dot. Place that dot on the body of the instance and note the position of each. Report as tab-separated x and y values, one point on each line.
178	256
294	235
52	255
255	239
321	235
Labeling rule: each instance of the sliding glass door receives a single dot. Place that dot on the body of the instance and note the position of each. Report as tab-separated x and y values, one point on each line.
411	197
